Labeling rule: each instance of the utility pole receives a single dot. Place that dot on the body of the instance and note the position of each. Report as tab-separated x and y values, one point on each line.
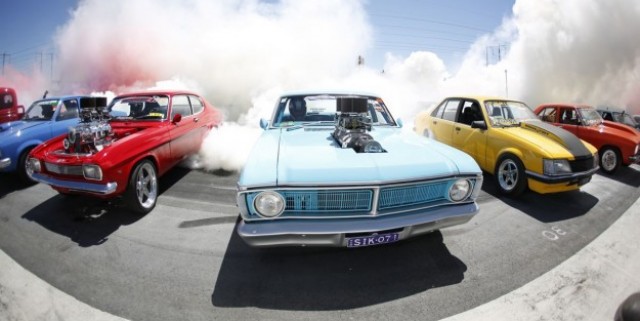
4	56
506	84
51	65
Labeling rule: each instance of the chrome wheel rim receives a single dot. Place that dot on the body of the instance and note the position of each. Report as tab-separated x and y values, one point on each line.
146	185
609	160
508	175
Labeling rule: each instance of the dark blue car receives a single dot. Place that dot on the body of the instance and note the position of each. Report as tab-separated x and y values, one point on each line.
43	120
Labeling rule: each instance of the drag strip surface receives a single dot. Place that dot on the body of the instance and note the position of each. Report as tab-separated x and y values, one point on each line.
184	261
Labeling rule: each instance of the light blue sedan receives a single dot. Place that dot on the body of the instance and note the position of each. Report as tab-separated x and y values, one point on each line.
336	169
43	120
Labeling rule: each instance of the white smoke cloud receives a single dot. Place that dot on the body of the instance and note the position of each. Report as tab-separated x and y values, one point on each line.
242	54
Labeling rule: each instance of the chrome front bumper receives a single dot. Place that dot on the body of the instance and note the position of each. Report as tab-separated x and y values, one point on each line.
335	232
74	186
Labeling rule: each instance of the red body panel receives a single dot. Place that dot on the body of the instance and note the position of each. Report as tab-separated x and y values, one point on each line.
164	142
607	133
9	108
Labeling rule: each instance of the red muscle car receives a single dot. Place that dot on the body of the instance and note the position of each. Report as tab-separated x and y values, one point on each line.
617	144
122	149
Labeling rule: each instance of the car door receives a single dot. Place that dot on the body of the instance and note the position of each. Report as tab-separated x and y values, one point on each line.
66	115
197	106
183	134
470	140
444	120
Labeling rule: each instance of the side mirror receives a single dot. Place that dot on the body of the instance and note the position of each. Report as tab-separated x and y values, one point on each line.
264	124
176	118
479	124
399	122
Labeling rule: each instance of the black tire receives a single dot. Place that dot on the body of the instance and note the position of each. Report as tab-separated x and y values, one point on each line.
21	168
510	176
610	159
142	191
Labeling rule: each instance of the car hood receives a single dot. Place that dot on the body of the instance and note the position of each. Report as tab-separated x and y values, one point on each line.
19	125
310	156
565	139
617	129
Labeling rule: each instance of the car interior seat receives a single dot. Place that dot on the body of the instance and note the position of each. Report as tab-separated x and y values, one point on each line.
47	111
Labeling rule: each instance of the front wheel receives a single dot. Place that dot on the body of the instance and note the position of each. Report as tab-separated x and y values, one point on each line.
142	191
510	175
610	160
22	168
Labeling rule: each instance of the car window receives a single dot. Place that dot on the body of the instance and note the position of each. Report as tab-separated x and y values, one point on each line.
6	101
569	116
180	105
470	112
68	109
140	107
548	114
607	116
41	110
451	110
508	112
196	104
590	116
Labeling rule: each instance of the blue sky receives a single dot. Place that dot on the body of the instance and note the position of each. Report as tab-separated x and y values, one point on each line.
399	27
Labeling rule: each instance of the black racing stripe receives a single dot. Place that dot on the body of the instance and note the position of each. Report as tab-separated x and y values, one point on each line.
571	142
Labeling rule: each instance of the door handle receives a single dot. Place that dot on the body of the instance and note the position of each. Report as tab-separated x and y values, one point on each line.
435	122
457	128
196	119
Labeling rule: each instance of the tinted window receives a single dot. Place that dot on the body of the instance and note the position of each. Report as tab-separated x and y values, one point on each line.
196	104
569	116
180	105
451	110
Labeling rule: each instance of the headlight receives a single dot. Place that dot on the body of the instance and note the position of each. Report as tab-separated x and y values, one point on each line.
460	190
554	167
33	165
269	204
92	172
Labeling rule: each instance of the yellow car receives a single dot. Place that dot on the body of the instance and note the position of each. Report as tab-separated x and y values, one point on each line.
508	141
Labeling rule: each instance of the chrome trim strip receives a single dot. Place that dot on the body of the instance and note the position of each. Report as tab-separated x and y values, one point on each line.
6	162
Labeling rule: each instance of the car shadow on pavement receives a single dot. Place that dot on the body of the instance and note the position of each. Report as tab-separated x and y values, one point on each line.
629	175
10	182
84	220
545	208
321	279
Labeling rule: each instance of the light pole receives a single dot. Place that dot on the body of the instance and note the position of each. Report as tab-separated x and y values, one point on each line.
506	83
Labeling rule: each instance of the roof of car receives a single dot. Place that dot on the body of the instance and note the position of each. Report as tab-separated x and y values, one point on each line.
158	92
482	97
328	92
611	109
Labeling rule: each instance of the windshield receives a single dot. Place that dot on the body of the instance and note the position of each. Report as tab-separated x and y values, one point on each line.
590	116
625	119
508	113
321	110
42	109
140	107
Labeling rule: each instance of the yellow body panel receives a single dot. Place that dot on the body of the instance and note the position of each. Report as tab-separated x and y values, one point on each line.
529	144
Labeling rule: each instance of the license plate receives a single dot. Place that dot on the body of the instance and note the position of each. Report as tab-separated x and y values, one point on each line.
372	240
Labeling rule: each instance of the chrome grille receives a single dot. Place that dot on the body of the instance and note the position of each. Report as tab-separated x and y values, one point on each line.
409	195
64	169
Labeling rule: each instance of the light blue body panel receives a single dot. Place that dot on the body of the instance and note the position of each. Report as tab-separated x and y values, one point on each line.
20	136
311	157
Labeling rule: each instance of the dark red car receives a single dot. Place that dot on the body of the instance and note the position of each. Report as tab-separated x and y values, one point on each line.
617	144
122	149
9	108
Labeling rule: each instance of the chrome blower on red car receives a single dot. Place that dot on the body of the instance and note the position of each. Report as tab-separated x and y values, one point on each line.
93	131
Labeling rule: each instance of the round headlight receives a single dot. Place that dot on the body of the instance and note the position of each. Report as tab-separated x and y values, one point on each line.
33	165
269	204
460	190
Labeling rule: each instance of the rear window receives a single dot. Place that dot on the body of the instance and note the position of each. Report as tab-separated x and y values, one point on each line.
6	101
